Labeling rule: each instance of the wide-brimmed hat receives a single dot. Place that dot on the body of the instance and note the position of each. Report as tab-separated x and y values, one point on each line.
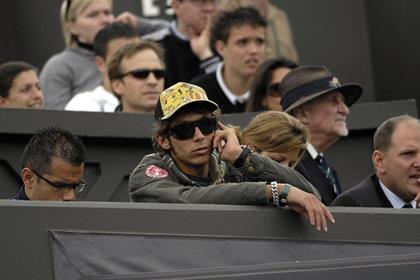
306	83
179	95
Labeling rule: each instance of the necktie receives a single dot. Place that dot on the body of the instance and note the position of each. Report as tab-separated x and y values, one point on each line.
327	172
408	205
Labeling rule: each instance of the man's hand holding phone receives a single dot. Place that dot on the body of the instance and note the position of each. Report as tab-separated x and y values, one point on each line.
227	144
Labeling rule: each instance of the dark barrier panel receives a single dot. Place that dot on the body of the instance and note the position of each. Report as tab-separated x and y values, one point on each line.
106	240
117	142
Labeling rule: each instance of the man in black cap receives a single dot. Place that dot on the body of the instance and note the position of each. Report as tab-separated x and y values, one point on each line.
199	160
315	97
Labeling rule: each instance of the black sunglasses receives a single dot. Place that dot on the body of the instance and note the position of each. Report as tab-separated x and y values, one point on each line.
77	187
186	130
142	74
274	90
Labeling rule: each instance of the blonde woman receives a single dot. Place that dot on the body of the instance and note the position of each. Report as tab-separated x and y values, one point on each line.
276	135
74	70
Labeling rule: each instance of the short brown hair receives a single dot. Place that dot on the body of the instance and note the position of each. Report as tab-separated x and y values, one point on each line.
114	69
383	134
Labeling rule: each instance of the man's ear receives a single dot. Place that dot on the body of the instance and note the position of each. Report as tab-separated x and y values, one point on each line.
164	142
101	64
378	161
302	114
220	47
117	87
3	101
28	178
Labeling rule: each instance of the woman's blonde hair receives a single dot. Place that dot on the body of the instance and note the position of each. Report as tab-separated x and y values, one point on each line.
69	11
274	131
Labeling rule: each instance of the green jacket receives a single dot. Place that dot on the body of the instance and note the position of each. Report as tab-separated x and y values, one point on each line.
158	179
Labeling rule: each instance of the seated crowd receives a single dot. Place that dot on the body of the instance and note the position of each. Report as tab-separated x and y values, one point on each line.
210	62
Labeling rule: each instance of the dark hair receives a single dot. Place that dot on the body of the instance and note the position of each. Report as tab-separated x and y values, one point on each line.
161	127
261	80
114	70
8	73
383	134
239	17
52	142
111	32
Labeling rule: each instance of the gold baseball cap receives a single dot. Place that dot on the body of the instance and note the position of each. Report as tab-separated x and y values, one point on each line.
177	96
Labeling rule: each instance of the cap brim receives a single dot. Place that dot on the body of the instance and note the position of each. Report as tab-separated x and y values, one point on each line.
210	104
351	93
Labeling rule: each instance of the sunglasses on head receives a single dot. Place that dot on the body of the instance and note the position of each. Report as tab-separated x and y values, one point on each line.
274	90
142	74
186	130
68	5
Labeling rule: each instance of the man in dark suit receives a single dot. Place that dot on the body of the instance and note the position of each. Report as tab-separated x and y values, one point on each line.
315	97
396	158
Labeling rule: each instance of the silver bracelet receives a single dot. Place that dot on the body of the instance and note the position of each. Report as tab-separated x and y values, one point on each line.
275	194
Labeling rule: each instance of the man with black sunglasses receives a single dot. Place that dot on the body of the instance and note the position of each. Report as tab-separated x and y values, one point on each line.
136	72
200	160
108	40
52	166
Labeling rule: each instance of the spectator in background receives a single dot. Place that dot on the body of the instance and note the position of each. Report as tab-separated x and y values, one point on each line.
19	86
186	169
278	34
52	166
136	72
278	136
265	92
239	38
396	159
74	70
316	98
108	40
187	41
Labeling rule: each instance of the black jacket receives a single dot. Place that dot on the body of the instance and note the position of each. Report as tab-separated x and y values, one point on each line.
367	193
310	169
215	93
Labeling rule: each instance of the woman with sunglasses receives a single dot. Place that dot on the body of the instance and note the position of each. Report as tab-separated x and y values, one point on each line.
265	93
74	69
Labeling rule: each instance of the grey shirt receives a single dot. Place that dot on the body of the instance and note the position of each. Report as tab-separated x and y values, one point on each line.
66	74
74	70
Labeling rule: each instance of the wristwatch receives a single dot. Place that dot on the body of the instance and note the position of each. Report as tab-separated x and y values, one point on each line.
240	161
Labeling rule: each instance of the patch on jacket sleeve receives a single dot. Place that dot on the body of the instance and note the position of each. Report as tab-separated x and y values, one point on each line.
155	172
